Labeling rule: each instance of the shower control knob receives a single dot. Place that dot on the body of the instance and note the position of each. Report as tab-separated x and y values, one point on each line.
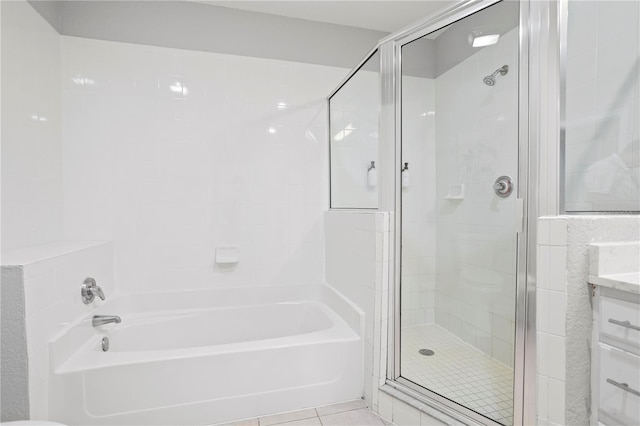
503	186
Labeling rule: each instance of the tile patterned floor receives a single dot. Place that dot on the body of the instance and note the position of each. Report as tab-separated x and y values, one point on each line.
350	413
458	371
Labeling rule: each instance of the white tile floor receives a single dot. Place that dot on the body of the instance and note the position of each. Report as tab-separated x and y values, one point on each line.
350	413
458	371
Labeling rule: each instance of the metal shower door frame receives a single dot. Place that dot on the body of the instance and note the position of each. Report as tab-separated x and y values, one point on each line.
531	24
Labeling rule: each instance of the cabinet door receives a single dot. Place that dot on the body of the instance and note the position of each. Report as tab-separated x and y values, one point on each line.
619	386
619	320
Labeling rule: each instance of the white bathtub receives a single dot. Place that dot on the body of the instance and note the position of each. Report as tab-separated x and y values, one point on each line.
209	356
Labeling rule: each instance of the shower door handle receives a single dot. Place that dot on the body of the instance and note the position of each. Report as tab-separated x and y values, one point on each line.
503	186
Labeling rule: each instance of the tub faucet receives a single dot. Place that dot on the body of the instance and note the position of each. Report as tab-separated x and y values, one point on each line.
99	320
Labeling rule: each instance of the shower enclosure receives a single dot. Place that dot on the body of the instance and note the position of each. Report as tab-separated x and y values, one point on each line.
452	165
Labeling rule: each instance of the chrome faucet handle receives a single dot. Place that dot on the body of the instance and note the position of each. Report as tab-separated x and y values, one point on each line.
98	292
90	290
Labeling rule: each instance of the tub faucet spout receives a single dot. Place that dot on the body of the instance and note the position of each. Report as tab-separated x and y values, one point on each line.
99	320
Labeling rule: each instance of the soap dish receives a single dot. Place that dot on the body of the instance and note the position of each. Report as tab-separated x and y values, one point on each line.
230	254
456	192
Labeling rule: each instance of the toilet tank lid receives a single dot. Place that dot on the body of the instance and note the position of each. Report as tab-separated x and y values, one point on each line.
30	423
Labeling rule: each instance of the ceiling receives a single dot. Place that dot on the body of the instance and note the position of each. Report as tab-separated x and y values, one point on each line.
386	16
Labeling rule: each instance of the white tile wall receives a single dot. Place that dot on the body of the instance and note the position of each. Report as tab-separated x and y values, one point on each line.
396	408
475	129
418	202
603	106
173	153
31	146
551	297
564	315
52	276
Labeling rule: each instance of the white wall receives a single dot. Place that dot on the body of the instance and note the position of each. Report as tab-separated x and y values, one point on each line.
418	201
14	368
172	153
477	133
31	145
603	106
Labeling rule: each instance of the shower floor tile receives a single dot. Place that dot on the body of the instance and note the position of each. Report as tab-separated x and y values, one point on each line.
458	371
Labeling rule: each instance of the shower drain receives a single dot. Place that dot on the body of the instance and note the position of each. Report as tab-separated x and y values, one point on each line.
426	352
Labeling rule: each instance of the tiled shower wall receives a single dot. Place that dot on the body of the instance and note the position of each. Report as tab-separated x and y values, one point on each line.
476	133
172	153
418	201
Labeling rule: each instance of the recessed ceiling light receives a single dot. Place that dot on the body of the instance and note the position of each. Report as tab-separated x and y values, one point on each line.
485	40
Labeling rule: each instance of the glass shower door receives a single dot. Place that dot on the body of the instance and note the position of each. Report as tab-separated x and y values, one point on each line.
458	236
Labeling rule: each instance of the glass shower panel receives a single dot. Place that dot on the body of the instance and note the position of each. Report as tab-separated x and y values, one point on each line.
602	106
353	124
460	164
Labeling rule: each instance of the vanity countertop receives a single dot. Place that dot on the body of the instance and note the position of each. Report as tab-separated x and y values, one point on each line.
625	282
615	265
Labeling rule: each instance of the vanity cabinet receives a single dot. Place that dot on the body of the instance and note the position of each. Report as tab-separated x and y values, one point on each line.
615	367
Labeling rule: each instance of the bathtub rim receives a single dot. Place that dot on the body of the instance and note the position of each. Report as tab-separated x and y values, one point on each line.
75	338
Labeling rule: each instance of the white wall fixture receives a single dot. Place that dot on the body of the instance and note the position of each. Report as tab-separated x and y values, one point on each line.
455	192
227	255
406	175
372	175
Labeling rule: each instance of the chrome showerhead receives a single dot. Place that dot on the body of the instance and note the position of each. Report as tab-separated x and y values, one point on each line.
490	80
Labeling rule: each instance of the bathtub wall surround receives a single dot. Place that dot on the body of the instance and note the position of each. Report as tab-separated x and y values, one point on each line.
50	277
357	266
172	153
281	349
31	123
564	311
